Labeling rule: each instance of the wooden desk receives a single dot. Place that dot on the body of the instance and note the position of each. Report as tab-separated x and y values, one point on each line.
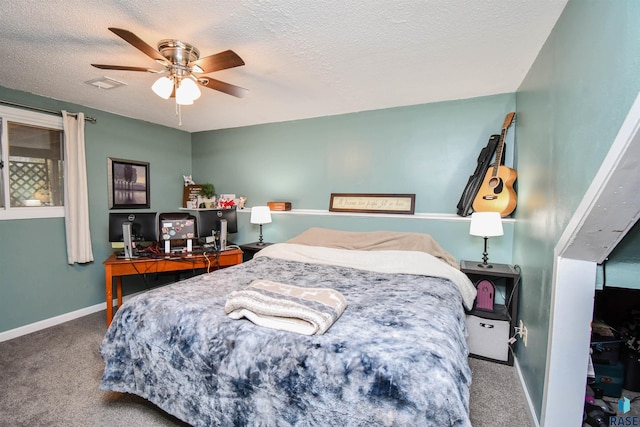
116	268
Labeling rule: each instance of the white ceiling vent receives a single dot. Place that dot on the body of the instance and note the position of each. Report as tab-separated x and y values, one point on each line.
105	83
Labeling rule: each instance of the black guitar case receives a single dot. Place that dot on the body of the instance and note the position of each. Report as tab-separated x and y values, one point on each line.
475	180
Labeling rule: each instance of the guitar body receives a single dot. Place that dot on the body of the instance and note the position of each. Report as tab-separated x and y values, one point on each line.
496	193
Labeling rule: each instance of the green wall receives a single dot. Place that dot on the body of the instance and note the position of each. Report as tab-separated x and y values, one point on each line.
430	150
36	282
570	108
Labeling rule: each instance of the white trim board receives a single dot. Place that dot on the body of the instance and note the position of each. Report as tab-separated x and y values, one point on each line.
527	396
57	320
568	342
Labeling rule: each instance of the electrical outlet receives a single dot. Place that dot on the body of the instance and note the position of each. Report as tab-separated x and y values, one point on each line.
522	332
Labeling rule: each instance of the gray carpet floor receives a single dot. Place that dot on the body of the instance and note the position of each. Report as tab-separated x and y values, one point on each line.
50	378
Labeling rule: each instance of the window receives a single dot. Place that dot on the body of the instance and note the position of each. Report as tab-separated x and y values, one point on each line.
31	164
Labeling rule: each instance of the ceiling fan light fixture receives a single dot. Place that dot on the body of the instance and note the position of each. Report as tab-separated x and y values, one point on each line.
180	61
183	97
187	92
192	88
163	87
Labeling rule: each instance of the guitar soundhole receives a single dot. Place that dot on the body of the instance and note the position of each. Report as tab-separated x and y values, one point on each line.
497	184
499	187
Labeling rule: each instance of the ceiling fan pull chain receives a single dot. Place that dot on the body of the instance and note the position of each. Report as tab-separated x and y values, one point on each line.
179	114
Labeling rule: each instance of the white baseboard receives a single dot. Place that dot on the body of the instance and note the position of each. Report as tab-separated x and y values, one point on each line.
53	321
532	411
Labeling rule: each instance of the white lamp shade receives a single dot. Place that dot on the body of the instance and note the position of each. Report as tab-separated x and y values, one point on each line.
182	97
187	92
260	215
486	224
163	87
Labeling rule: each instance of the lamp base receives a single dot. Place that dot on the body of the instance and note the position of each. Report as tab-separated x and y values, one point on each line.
485	257
485	265
260	242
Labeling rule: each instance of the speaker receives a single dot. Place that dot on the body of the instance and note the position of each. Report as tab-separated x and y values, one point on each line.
126	238
223	234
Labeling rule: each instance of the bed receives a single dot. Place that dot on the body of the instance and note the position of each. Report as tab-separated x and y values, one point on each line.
397	355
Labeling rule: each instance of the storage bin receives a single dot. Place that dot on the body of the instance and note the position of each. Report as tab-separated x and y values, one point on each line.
609	378
488	337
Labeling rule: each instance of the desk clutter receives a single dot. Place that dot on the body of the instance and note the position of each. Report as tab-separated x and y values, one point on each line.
150	233
154	251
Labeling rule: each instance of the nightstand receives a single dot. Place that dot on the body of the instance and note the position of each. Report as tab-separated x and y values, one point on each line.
250	249
489	331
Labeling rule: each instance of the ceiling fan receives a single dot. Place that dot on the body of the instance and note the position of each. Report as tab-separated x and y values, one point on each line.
183	64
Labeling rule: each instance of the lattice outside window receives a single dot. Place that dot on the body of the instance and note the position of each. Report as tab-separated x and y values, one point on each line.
30	181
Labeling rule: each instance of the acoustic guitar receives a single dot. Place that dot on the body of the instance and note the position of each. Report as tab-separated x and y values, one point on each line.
496	193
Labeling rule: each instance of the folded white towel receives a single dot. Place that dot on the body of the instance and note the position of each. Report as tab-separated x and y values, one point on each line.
285	307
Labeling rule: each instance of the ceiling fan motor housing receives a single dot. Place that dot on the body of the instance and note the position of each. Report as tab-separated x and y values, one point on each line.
177	52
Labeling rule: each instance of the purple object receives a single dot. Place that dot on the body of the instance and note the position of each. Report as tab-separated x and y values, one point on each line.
486	294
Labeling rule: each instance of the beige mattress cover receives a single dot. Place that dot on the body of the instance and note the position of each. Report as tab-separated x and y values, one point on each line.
374	241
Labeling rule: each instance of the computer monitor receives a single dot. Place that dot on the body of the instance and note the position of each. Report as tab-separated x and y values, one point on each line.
177	226
209	221
144	226
177	229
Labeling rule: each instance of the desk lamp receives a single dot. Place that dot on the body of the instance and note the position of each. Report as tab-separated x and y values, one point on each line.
260	215
486	224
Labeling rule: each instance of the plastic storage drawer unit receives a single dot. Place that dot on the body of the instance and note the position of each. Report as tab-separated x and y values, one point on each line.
488	337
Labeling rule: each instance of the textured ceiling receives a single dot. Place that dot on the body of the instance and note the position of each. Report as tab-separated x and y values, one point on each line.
304	58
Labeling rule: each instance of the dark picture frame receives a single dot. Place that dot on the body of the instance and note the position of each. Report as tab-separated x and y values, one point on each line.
373	203
128	184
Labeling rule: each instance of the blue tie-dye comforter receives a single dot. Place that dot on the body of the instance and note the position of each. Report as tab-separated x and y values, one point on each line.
396	357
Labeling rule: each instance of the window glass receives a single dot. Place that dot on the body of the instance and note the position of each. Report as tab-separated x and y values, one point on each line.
35	166
31	164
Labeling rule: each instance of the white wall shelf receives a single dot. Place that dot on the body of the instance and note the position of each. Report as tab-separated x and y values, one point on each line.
416	216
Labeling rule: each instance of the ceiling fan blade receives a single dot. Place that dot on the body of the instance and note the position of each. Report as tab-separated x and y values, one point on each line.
227	88
122	67
219	61
138	43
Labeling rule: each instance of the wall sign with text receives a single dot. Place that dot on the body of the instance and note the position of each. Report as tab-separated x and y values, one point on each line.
373	203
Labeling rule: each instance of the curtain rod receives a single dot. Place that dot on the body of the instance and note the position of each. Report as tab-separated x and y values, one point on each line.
44	110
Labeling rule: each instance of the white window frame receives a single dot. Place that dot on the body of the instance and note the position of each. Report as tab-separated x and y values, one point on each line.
17	115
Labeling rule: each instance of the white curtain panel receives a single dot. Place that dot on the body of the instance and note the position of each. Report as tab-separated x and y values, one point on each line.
76	195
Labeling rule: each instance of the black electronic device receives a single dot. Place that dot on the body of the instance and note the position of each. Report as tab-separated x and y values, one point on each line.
144	226
209	221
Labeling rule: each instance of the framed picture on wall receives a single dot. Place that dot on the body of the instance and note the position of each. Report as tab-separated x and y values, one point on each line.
373	203
128	184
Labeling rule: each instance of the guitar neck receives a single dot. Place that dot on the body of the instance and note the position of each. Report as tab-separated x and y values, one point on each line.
500	149
499	152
